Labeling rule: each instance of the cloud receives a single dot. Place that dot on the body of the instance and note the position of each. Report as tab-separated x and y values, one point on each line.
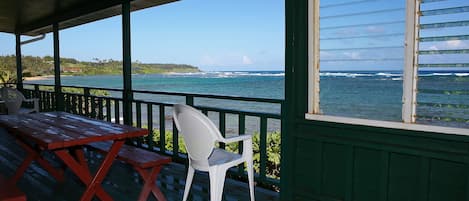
352	55
375	29
433	47
247	60
454	43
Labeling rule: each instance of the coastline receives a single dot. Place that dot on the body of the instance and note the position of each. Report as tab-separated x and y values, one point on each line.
34	78
43	77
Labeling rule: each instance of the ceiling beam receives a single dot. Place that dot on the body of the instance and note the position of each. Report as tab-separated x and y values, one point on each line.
73	12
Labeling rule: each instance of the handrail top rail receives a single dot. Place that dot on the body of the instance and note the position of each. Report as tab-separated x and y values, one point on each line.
240	98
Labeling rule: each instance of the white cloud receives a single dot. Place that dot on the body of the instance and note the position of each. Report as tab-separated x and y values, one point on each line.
433	47
454	43
374	29
352	55
247	60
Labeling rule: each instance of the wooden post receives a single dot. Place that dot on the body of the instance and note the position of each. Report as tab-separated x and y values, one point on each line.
313	57
19	66
127	95
59	100
409	96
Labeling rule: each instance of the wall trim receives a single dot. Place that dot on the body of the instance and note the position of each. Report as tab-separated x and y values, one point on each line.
388	124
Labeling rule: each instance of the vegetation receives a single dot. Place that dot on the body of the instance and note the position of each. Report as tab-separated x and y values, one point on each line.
40	66
273	150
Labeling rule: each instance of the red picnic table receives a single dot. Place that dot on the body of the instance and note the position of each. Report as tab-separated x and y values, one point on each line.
65	135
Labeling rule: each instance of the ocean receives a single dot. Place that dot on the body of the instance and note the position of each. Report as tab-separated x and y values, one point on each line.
361	94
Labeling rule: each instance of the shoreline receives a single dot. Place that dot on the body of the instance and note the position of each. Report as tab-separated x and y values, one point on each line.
34	78
43	77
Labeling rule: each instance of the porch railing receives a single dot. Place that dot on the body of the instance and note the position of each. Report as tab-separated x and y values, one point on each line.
153	110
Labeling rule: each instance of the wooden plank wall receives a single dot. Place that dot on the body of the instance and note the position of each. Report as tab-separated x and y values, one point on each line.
340	162
332	162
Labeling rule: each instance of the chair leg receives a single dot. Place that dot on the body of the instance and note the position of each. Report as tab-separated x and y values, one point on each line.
190	176
217	181
250	178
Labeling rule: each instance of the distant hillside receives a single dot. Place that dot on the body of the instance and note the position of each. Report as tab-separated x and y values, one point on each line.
40	66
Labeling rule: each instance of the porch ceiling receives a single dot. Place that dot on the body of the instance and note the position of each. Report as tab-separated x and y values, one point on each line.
35	17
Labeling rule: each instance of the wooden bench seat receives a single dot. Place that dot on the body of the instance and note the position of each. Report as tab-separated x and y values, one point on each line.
148	164
9	192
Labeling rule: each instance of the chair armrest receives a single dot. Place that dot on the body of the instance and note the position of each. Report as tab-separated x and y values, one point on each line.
238	138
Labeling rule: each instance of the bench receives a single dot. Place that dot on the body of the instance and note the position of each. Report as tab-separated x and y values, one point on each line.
9	191
148	164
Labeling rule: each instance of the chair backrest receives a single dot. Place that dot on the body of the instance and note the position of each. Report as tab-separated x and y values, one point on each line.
198	131
13	99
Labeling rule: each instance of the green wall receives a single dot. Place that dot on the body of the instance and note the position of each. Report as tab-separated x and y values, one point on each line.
331	161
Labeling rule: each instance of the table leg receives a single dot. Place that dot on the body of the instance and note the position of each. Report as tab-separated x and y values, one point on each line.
82	172
34	155
80	156
149	178
22	168
103	169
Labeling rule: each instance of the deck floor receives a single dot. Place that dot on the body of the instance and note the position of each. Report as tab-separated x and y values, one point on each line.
122	182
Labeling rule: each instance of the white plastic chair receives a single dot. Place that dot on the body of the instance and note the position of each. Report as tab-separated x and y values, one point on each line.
200	136
13	99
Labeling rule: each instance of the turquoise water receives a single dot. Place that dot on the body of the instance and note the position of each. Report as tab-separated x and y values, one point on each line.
367	94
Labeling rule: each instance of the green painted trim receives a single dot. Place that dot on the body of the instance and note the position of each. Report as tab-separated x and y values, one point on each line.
58	86
288	110
19	66
127	94
264	100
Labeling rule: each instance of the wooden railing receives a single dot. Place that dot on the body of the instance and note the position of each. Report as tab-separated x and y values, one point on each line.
152	110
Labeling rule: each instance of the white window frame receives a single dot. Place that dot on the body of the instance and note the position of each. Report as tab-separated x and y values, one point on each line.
410	77
313	56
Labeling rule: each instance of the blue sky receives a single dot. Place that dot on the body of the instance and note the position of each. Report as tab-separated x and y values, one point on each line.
215	35
249	35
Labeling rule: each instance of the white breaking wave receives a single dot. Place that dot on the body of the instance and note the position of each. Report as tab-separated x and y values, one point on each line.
232	74
228	74
442	74
339	74
389	74
462	74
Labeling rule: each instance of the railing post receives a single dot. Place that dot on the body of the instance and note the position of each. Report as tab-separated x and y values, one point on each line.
189	100
37	95
86	94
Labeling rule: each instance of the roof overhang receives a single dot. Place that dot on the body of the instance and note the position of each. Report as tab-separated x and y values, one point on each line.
35	17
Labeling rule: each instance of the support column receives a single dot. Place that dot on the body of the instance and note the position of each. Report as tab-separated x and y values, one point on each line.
410	77
127	95
59	99
19	66
313	57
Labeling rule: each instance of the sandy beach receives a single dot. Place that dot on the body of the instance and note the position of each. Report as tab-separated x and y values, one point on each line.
45	77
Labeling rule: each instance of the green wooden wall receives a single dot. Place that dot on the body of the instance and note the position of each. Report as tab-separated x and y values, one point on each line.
331	162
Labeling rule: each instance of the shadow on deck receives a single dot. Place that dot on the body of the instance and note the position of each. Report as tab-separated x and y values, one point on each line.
122	182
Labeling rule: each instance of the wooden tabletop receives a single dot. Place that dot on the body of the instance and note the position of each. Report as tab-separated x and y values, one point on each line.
56	130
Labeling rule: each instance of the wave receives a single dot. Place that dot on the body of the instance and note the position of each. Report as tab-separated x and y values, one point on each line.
462	74
232	74
228	74
340	74
388	74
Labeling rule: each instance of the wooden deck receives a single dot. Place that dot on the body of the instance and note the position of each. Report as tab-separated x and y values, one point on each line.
123	183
